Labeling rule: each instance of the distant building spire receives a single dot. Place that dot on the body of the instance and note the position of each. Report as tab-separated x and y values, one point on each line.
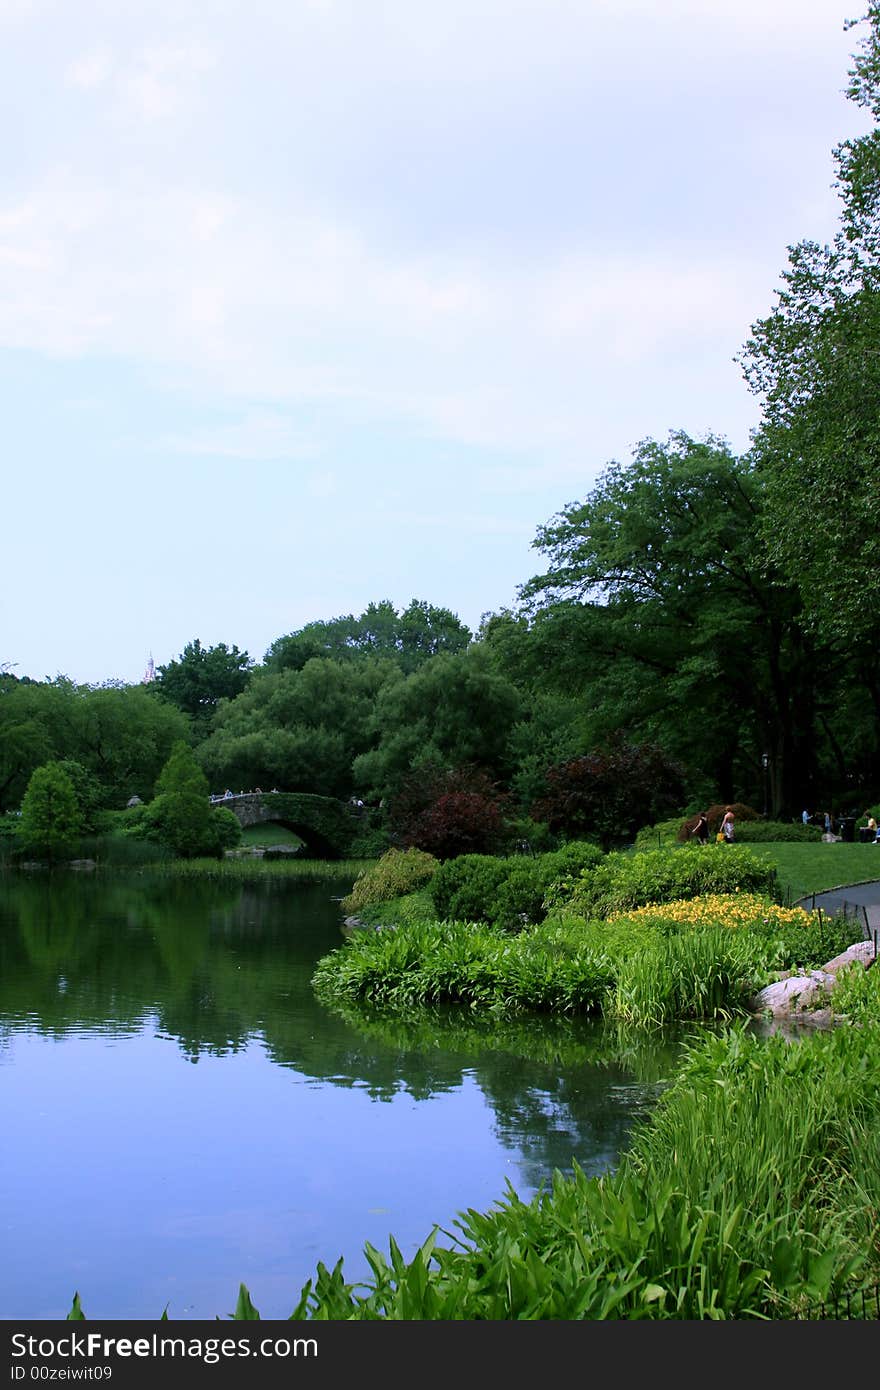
150	673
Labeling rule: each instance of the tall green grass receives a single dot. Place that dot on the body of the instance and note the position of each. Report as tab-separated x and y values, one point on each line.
262	870
624	969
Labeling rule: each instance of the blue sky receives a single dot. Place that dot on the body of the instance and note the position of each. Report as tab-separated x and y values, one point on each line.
308	303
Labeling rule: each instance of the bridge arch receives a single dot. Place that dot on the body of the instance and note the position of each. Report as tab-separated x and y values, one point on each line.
326	826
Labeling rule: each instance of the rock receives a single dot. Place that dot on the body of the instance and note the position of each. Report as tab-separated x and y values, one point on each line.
795	995
134	801
861	952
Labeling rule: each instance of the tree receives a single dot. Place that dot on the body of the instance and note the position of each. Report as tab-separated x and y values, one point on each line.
814	362
408	638
657	609
448	812
299	730
181	815
202	676
610	793
50	816
454	711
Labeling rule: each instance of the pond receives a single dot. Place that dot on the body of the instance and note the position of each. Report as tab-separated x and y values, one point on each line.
181	1115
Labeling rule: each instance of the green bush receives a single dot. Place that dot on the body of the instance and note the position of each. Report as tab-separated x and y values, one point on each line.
413	909
508	892
665	832
398	872
464	889
369	844
773	831
621	881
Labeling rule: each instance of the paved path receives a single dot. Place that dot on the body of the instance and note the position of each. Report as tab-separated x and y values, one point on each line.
856	899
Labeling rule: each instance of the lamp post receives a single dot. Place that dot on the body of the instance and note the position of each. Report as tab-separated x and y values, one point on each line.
765	763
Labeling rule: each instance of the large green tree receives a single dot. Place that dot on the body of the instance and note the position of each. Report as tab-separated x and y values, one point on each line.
657	607
409	638
814	362
203	676
298	730
455	711
181	815
120	734
51	821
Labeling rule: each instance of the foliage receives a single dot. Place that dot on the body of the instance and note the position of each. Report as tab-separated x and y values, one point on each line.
120	735
480	966
776	832
665	832
202	676
369	842
300	729
715	815
507	892
704	973
398	872
51	821
254	870
453	712
656	604
797	938
408	638
181	816
623	881
413	909
449	812
607	793
812	360
88	792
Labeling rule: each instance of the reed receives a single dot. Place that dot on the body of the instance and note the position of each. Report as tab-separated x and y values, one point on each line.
261	870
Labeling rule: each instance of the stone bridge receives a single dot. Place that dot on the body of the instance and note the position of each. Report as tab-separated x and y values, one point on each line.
326	826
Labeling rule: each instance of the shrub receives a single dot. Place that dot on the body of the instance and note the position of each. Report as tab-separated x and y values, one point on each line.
464	888
449	812
370	843
51	822
398	872
508	892
606	792
715	815
663	833
796	937
622	881
768	831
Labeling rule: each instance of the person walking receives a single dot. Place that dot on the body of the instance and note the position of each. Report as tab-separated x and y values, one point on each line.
727	826
701	829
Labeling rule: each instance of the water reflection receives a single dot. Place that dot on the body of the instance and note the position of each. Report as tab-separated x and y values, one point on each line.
298	1133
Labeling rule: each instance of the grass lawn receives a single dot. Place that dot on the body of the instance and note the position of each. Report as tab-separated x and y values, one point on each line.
811	868
264	836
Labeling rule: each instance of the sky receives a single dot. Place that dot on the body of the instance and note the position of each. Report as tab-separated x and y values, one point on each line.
306	304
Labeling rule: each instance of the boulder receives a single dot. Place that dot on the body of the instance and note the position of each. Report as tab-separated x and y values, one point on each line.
795	995
862	952
808	991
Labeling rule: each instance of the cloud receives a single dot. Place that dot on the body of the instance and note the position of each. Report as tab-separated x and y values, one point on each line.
338	204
